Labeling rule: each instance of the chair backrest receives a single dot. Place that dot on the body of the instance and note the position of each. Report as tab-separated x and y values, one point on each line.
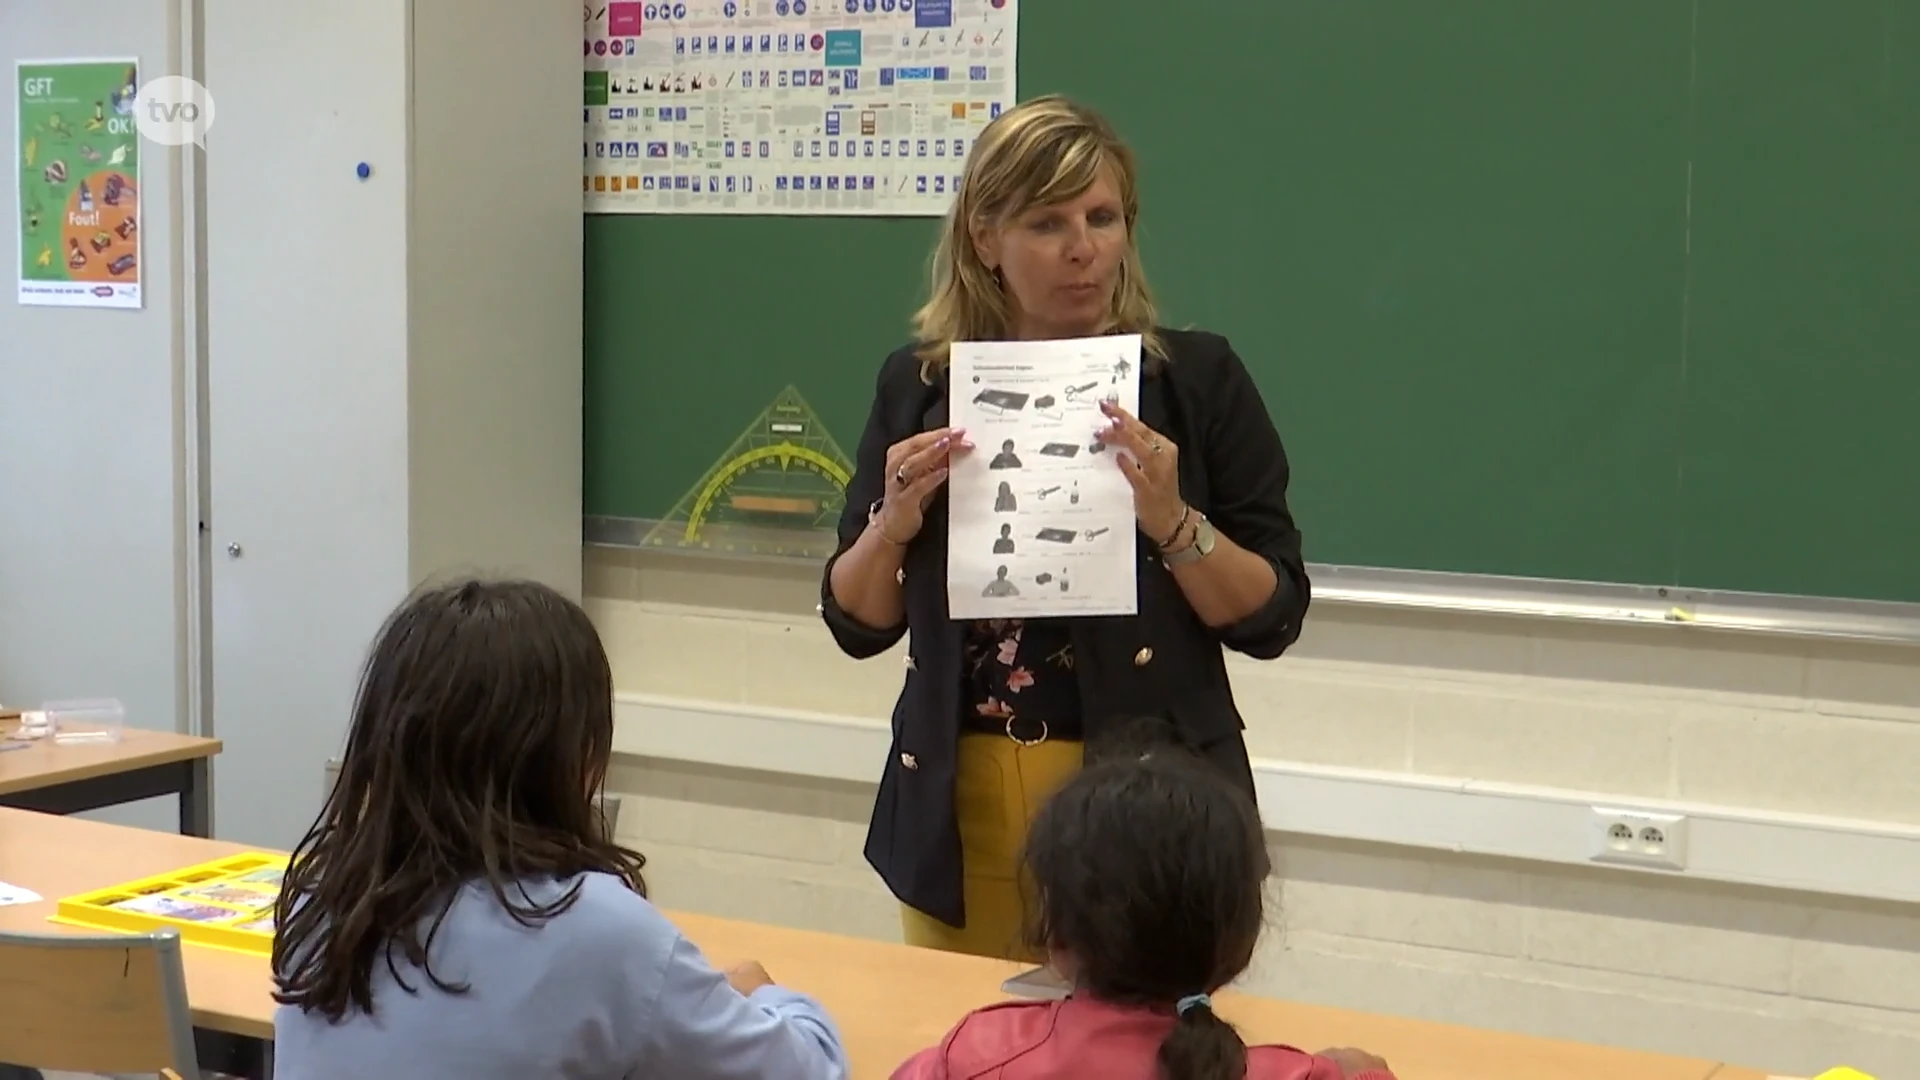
609	804
113	1003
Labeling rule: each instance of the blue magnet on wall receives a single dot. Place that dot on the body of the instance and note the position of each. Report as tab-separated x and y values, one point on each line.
363	170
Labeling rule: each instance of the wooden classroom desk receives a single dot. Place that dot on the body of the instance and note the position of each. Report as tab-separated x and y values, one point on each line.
890	1000
57	779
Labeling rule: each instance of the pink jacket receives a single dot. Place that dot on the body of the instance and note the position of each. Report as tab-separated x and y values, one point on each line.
1078	1037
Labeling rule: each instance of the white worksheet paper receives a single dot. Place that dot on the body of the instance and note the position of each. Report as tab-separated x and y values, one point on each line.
1040	517
14	894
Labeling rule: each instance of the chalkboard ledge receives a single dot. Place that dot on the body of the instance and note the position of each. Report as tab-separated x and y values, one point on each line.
1619	603
1684	609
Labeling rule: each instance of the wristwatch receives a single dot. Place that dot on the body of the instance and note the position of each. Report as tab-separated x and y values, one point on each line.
1202	546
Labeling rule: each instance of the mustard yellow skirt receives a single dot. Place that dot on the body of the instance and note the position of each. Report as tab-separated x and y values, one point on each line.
999	788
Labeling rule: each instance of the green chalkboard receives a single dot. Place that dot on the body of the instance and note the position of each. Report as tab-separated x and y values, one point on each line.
1610	292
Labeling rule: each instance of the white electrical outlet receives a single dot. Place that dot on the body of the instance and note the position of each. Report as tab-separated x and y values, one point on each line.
1637	838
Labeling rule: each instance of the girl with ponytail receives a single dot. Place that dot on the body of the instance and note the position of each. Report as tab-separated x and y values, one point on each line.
1149	873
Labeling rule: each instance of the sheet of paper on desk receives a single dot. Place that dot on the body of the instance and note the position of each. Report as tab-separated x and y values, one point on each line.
1040	519
14	894
1040	983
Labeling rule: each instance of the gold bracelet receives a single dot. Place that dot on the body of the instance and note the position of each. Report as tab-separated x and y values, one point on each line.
873	522
1185	513
1189	533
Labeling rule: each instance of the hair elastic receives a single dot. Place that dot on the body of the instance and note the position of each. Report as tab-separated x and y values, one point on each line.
1191	1002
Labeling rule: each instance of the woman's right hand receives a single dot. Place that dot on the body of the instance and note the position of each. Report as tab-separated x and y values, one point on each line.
916	467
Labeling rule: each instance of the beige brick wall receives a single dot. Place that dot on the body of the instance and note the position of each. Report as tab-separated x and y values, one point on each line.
1773	979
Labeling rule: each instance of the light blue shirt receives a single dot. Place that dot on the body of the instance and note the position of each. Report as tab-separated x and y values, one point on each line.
610	990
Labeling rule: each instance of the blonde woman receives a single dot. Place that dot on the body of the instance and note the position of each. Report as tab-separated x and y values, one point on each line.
993	715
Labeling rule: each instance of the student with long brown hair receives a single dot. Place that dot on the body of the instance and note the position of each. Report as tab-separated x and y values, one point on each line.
1149	870
458	911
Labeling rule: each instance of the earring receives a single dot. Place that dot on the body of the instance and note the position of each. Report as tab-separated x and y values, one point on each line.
999	278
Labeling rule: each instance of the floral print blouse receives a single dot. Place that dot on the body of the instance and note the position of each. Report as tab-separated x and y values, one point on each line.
1021	670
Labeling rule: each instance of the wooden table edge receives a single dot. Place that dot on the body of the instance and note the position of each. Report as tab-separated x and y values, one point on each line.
189	748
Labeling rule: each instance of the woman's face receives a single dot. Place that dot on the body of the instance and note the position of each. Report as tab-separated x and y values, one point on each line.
1061	263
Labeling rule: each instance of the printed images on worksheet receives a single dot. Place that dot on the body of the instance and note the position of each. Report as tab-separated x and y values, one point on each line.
1040	517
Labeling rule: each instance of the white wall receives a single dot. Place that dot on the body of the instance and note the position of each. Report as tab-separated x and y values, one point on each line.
495	279
1774	979
394	362
307	385
391	372
91	438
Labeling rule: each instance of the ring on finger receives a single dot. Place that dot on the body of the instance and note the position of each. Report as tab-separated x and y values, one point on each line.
900	476
1157	446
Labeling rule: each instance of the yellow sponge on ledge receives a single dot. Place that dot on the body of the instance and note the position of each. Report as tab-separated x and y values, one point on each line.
1843	1073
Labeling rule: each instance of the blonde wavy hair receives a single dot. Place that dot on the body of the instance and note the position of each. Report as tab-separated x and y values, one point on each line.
1039	153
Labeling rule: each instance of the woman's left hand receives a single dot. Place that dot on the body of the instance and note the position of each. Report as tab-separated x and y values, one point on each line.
1152	465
